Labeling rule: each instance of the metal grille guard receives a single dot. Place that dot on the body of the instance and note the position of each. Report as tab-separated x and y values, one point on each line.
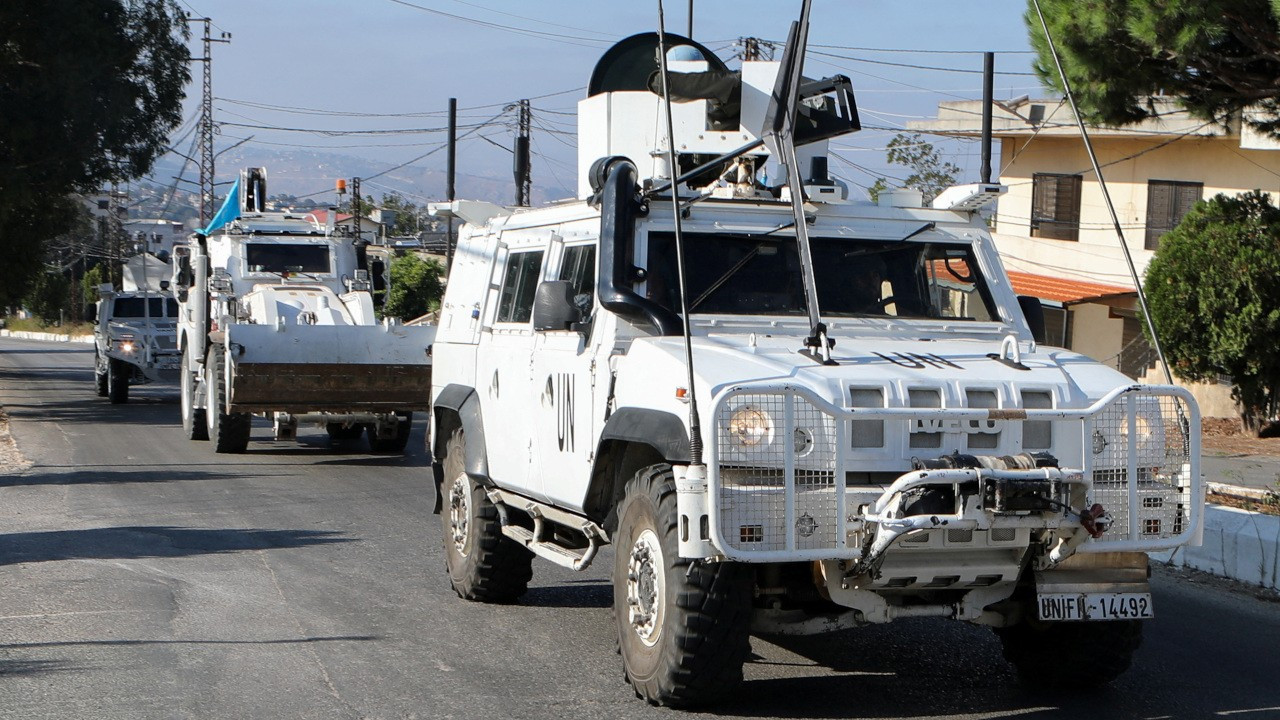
1150	429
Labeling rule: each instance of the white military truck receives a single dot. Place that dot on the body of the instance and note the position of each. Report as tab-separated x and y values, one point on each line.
913	453
276	318
134	332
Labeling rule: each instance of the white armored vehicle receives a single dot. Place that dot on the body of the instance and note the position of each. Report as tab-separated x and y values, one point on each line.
845	418
134	332
276	318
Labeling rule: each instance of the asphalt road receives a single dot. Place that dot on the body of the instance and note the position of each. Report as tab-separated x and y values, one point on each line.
142	576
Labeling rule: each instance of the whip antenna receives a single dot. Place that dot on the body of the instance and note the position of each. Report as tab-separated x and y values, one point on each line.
1106	195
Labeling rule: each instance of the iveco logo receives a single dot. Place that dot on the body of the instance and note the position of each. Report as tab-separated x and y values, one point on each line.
945	425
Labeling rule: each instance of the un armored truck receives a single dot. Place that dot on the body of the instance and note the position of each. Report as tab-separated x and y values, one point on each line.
135	330
915	453
276	318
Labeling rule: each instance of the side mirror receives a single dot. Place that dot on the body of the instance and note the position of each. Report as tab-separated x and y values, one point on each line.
1033	311
553	306
91	312
164	285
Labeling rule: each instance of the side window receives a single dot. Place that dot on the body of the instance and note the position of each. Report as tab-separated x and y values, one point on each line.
519	283
579	269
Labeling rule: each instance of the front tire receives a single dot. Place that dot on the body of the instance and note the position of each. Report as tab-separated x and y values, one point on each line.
1070	655
228	431
484	565
683	626
118	372
194	424
99	377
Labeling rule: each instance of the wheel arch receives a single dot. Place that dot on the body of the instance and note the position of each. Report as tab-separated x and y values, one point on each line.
458	406
633	438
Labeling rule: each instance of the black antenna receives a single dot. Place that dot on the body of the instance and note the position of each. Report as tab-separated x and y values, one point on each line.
695	424
779	135
1106	195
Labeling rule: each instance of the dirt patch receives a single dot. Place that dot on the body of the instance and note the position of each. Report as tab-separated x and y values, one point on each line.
1226	436
1199	577
11	458
1268	506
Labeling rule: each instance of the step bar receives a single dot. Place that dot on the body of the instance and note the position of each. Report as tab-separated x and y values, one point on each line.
542	514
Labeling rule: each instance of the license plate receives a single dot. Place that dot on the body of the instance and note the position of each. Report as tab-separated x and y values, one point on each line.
1094	606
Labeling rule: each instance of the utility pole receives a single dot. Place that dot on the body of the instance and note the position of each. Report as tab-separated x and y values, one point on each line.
755	49
206	120
355	205
521	162
450	167
690	34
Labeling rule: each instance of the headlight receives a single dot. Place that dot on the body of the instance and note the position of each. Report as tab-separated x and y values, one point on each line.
126	346
750	426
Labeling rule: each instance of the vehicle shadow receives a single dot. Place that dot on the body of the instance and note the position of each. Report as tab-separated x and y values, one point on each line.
158	541
573	594
39	476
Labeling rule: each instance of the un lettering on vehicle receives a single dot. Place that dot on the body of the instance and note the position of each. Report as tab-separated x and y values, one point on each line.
950	425
564	399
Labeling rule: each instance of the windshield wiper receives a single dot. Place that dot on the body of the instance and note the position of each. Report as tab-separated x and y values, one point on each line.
725	277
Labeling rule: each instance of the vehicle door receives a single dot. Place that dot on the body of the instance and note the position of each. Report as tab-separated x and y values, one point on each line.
504	370
565	392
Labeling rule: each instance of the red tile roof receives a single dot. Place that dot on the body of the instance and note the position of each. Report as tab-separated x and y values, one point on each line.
1063	290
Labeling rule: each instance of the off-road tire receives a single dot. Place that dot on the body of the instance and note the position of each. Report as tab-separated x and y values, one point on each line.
229	432
99	378
394	444
483	564
694	651
1070	654
339	432
118	372
194	424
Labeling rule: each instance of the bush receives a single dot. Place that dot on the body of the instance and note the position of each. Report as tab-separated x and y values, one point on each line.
1214	292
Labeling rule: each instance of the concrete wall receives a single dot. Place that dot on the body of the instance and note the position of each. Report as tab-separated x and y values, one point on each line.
1240	545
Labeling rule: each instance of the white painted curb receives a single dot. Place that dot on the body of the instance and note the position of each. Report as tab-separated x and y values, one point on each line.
1238	544
49	337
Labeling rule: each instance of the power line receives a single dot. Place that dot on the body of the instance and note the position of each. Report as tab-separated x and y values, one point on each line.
918	67
540	34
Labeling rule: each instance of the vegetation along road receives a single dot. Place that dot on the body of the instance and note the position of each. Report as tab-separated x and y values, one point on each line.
142	576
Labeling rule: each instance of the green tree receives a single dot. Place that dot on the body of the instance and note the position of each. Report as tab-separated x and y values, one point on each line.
929	174
1214	292
89	91
90	282
406	215
47	296
416	287
1215	56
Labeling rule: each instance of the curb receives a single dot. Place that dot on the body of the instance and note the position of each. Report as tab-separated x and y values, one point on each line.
1238	544
48	337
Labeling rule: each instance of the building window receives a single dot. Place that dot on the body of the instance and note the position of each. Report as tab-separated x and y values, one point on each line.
1055	206
519	283
1168	201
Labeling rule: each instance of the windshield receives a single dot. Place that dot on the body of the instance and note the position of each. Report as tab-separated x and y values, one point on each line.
273	258
137	307
760	275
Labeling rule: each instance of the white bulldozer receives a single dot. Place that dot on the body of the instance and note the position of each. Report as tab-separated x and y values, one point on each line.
276	318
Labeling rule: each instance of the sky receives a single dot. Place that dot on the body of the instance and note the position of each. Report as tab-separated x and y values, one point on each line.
380	73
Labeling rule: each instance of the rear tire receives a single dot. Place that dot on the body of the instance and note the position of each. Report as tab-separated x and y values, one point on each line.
1070	655
194	424
228	431
683	626
394	444
118	372
484	565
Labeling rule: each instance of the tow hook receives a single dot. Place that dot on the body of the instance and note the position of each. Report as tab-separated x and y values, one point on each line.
1095	521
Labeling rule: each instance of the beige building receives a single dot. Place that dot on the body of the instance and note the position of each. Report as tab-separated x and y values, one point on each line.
1053	227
